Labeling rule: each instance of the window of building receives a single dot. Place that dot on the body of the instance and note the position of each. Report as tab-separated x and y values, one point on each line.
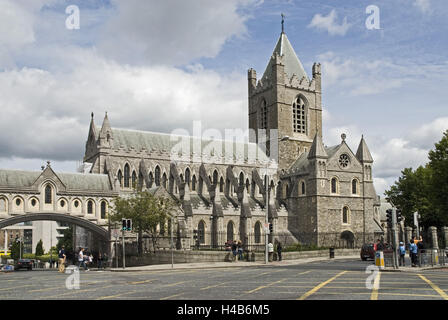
187	176
134	179
48	196
302	187
221	185
150	180
3	205
345	215
157	176
18	202
76	203
215	177
103	210
263	115
62	203
201	232
193	183
230	235
257	232
354	186
344	160
90	207
33	203
164	180
334	185
120	178
299	115
127	175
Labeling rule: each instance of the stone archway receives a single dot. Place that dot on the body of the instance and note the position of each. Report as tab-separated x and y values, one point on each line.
347	239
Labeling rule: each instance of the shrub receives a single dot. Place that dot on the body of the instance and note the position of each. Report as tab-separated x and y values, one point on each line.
39	248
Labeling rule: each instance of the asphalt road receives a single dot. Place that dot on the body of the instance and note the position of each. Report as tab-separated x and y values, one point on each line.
332	279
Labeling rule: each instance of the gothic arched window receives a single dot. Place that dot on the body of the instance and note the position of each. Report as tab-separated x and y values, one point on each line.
127	175
193	183
134	179
230	235
263	115
257	232
48	195
187	176
241	180
201	232
157	176
299	115
164	180
221	185
215	177
334	185
103	209
90	207
354	186
345	215
120	178
302	186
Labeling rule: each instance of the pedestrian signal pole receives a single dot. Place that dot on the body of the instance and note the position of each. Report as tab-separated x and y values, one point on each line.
126	226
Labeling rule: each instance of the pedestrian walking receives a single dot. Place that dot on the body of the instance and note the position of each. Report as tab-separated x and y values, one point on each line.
81	259
240	250
279	251
270	251
402	252
100	261
105	260
413	252
234	249
62	258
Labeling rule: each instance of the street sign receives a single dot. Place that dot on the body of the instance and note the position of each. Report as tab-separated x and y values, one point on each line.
115	233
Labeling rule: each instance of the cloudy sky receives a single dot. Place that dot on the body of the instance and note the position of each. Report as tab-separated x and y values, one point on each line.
160	65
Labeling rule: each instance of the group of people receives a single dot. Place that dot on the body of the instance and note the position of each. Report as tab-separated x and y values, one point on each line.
415	245
236	247
237	250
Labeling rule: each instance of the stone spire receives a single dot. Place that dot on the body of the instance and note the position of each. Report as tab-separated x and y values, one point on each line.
317	149
106	124
289	58
363	153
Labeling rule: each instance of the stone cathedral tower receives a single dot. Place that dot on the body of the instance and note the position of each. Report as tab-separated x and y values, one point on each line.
287	100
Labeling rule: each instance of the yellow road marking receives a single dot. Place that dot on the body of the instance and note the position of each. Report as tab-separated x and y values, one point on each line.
376	286
306	295
140	282
73	291
360	293
115	296
214	286
176	295
304	272
268	285
435	287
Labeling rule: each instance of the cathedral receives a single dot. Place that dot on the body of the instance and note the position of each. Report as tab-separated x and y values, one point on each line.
225	190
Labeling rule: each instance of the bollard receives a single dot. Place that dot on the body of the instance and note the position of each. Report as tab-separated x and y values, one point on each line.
379	259
331	253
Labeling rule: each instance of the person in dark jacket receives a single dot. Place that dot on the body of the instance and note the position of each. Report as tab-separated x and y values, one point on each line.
234	250
279	251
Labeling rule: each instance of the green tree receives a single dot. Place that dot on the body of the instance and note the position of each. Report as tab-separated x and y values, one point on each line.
15	250
39	248
66	240
147	212
425	189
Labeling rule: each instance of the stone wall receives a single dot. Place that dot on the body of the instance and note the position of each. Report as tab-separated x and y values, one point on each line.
164	257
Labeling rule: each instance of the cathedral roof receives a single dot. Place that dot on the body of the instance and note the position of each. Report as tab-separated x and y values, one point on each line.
317	149
73	181
363	153
290	60
155	141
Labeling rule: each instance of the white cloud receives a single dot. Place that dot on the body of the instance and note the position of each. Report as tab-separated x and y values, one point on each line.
329	24
46	114
170	32
423	5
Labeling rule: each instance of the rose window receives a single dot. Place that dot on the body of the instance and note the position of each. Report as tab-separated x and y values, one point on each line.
344	160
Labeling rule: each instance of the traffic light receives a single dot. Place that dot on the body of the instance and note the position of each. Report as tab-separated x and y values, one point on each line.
389	213
126	224
399	216
271	228
195	234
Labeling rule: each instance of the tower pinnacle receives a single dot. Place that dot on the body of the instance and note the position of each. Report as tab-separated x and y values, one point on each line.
283	23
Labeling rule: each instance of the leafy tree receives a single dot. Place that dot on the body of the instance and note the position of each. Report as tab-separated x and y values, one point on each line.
15	250
66	240
147	212
424	190
39	248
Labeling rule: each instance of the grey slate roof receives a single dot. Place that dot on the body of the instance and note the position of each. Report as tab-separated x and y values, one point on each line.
290	59
155	141
73	181
302	162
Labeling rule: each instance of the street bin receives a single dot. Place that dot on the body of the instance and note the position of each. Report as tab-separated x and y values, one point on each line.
331	253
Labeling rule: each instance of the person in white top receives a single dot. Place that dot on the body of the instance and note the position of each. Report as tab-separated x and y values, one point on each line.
271	251
81	261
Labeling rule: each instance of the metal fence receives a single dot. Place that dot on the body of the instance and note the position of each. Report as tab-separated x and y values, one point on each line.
432	257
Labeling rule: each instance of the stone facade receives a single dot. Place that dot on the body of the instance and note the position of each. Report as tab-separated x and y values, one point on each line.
316	195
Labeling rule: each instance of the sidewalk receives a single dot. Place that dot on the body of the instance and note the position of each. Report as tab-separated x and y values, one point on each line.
207	265
415	269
